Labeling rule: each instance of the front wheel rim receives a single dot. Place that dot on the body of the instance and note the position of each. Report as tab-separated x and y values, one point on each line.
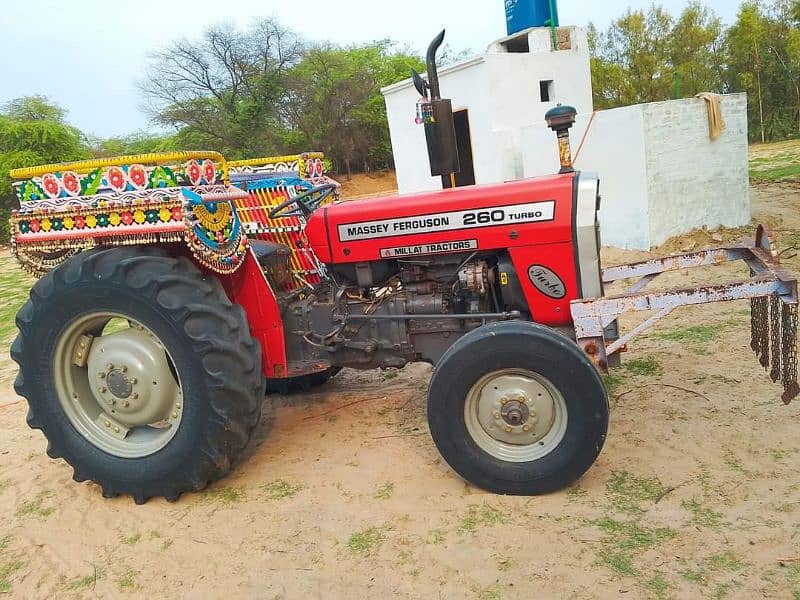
117	385
515	415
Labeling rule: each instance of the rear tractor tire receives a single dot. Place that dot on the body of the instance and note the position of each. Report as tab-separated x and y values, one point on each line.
516	408
139	371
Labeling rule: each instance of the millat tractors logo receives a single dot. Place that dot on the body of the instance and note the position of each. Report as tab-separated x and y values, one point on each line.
547	282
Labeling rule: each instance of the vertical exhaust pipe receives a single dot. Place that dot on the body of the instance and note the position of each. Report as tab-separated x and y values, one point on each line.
430	63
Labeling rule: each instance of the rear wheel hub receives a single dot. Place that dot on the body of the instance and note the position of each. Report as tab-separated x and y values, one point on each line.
124	397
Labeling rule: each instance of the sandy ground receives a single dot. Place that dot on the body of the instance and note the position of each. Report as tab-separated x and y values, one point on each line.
370	184
696	493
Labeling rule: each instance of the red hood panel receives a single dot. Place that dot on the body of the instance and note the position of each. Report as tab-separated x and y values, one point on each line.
521	213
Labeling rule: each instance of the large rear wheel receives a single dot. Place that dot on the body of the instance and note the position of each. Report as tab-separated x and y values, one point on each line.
516	408
139	371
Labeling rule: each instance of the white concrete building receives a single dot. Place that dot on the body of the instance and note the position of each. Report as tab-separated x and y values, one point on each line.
661	174
495	96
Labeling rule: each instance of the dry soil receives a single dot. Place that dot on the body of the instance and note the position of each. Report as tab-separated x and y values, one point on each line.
344	495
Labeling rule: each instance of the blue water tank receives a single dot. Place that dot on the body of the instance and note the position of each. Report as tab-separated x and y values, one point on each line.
522	14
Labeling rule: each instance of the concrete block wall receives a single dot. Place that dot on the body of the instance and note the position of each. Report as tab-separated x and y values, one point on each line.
660	173
692	181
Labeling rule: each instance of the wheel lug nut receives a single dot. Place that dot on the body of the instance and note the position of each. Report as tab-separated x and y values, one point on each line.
110	367
108	424
135	395
134	381
124	368
508	429
175	415
526	428
496	415
116	429
102	374
127	404
103	390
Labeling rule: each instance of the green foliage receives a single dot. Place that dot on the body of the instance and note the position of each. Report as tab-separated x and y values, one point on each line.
33	132
262	91
627	491
280	489
645	366
702	516
696	334
642	53
481	516
624	540
334	101
366	541
14	288
649	56
137	143
385	491
763	48
613	382
34	108
224	495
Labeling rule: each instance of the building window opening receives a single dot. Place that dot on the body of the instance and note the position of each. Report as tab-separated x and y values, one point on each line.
547	90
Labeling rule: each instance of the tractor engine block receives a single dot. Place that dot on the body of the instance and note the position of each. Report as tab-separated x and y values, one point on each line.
391	313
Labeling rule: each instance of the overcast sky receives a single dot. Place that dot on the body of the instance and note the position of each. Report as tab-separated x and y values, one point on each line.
86	55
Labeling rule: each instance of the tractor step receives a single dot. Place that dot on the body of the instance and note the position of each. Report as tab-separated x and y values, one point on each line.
771	289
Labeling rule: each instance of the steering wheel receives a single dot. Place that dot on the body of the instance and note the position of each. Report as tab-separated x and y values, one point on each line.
305	202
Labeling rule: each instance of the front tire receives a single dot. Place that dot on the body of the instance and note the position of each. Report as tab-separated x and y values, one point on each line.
139	371
516	408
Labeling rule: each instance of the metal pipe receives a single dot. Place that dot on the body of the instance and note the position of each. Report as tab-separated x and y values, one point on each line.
430	62
553	35
506	316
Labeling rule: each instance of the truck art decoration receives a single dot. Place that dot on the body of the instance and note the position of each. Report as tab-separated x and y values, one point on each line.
176	289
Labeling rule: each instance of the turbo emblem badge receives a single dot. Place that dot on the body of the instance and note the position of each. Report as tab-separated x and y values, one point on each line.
547	282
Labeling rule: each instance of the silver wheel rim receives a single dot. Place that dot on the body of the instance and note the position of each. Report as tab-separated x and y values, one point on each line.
515	415
117	387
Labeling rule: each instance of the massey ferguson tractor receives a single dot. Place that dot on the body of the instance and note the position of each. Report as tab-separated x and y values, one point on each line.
169	299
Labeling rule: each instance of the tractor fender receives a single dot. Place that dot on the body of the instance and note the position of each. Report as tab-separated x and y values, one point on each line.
249	288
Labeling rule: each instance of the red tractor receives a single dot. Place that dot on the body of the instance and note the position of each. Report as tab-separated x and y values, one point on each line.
146	349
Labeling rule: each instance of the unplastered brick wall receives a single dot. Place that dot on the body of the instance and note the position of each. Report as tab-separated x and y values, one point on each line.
692	181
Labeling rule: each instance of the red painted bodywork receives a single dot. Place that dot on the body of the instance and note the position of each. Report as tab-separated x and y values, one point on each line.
250	289
547	243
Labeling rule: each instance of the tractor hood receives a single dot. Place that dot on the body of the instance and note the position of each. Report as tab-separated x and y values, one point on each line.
488	217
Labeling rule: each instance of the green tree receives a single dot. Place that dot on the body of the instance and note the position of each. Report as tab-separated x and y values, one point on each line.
32	132
222	92
633	57
136	143
746	41
697	50
333	101
638	58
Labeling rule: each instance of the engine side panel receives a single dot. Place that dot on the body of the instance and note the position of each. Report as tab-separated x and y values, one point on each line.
549	281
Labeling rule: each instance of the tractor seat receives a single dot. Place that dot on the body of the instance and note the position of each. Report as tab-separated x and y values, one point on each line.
273	258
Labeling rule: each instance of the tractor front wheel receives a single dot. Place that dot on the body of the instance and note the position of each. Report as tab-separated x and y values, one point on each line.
139	371
517	408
